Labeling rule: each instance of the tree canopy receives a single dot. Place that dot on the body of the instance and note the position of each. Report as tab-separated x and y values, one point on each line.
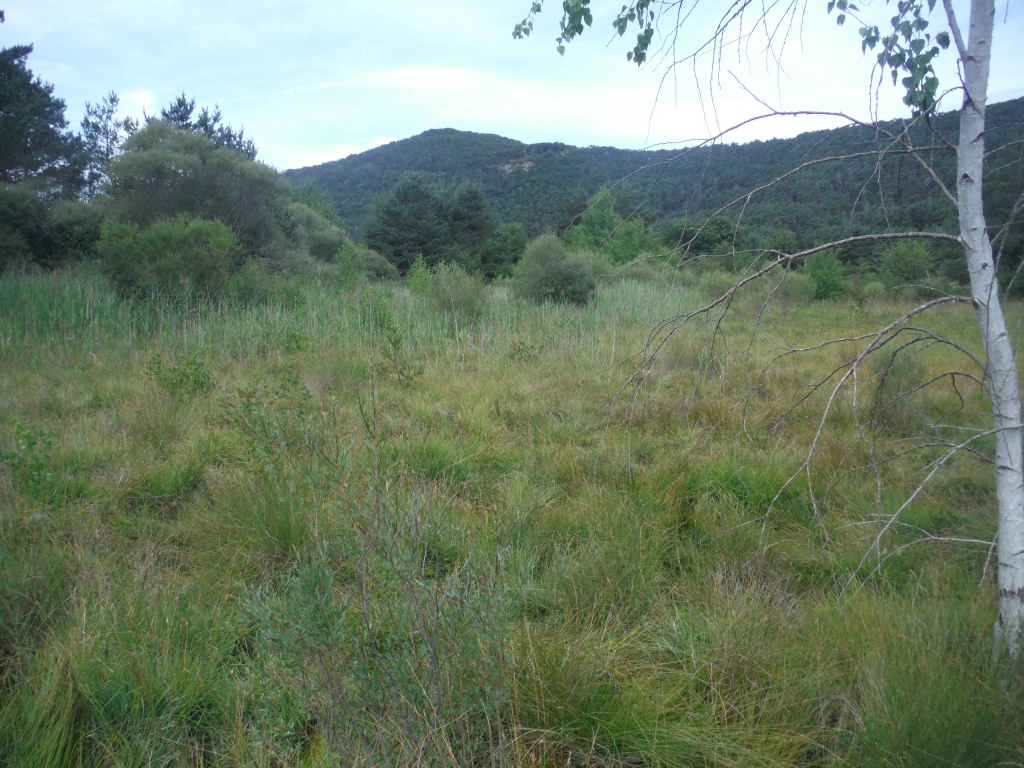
35	144
181	112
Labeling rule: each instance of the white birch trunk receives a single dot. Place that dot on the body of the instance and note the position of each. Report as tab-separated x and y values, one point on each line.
1003	380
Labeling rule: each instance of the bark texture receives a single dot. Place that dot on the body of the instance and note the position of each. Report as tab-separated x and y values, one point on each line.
1003	380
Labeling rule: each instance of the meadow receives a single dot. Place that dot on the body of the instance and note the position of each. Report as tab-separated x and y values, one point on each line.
343	526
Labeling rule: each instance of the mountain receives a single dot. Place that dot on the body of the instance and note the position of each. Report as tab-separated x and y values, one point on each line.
535	184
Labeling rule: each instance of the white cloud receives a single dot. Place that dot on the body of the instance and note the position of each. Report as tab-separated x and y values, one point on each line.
315	77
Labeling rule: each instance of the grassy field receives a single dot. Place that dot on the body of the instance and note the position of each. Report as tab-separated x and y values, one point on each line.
344	527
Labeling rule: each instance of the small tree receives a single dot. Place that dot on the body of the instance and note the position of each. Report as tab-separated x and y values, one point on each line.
548	272
104	134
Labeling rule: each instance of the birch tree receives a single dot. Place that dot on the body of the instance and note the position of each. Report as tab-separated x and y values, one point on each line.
906	49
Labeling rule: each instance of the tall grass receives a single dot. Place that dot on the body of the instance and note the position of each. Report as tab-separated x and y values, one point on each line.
337	527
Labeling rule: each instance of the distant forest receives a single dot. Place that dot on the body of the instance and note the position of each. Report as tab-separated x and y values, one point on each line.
543	186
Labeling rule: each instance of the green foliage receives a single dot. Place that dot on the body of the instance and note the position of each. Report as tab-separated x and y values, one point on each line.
548	272
601	228
35	144
783	241
418	278
417	220
312	233
907	49
453	291
318	200
104	135
23	219
908	261
185	379
177	257
827	273
209	124
45	233
165	172
408	224
73	231
29	460
689	238
502	251
372	265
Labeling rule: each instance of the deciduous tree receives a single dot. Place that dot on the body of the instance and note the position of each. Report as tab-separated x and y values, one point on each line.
906	48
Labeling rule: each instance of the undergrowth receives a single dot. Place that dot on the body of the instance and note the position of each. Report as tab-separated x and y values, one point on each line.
362	527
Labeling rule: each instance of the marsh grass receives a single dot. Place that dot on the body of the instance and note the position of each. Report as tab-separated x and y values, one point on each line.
335	526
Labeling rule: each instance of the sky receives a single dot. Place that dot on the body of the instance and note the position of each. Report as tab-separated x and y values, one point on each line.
316	80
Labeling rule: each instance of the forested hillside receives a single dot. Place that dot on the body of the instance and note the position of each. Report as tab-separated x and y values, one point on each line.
538	185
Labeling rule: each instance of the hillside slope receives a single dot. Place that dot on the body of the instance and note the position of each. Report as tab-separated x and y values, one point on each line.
535	183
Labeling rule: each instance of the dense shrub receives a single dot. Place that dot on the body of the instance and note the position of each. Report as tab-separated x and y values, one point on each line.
454	291
22	224
372	265
548	272
34	231
74	230
311	232
827	273
908	261
166	171
797	288
177	257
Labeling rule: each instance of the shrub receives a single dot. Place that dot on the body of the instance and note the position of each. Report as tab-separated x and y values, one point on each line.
74	229
457	293
796	289
827	273
165	171
22	224
714	283
419	278
548	272
372	265
177	257
908	261
311	232
874	289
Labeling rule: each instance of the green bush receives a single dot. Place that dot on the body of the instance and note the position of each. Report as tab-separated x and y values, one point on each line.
372	265
827	273
418	279
714	283
874	289
548	272
177	257
796	289
22	224
454	291
908	261
165	171
74	229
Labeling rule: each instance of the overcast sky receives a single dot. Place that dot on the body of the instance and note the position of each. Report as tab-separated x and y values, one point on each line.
315	80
